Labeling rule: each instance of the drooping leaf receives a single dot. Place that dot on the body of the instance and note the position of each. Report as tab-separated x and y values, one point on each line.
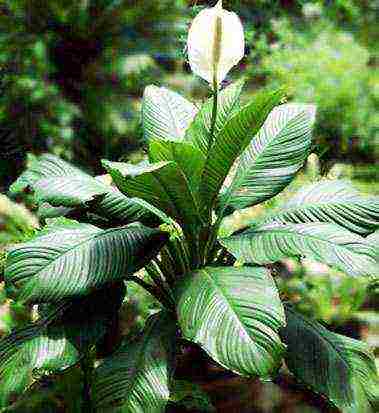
136	379
198	132
57	184
45	166
231	141
68	191
162	185
73	259
326	243
273	157
56	341
234	314
330	201
339	367
165	114
186	156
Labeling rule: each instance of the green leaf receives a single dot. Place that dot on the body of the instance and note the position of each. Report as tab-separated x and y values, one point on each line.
340	368
232	140
273	157
326	243
198	132
73	259
68	191
45	166
330	201
56	341
137	377
162	185
188	158
165	114
234	314
58	184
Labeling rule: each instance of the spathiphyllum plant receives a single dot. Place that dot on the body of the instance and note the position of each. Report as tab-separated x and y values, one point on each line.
157	224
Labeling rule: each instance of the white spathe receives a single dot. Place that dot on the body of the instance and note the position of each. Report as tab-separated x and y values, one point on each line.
215	43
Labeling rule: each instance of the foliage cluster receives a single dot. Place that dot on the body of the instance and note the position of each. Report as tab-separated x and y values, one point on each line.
163	214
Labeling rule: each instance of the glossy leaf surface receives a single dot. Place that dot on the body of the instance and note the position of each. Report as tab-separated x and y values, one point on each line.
330	201
234	314
326	243
73	259
136	379
273	157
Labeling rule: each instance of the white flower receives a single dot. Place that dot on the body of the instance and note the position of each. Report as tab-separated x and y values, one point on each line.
215	43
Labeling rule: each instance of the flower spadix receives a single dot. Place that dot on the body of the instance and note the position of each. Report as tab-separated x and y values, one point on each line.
215	43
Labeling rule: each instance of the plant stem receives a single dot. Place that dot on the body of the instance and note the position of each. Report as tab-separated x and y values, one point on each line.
153	290
155	274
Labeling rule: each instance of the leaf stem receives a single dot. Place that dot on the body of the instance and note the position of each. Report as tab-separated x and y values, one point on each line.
159	280
153	290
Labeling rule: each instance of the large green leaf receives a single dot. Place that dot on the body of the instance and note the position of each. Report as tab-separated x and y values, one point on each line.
198	132
162	185
234	314
73	259
231	141
44	166
68	191
56	341
186	156
59	184
273	157
327	243
136	379
340	368
330	201
165	114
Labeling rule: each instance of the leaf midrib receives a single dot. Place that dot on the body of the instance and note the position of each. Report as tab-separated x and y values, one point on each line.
222	293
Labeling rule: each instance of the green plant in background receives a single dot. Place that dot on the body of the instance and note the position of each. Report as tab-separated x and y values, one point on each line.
68	72
332	298
329	68
163	215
